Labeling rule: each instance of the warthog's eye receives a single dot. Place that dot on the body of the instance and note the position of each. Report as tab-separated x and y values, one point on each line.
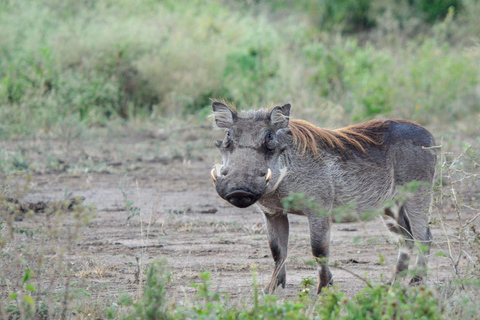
228	139
270	142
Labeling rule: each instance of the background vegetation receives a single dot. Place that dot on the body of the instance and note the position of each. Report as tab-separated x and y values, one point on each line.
98	60
69	67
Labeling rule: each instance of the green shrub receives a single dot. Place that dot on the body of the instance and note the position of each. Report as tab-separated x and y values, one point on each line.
98	60
107	59
432	10
381	302
373	302
153	303
352	16
430	79
363	74
436	80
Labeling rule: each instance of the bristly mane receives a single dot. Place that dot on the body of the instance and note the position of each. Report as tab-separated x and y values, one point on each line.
308	137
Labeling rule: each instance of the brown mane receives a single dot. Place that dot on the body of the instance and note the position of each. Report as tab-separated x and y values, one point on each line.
308	137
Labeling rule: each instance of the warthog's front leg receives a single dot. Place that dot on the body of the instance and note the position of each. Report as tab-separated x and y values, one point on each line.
320	241
278	228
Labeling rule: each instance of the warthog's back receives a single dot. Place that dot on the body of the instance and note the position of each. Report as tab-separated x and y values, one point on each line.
361	164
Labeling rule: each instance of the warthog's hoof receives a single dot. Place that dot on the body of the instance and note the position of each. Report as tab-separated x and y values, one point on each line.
416	281
274	283
320	286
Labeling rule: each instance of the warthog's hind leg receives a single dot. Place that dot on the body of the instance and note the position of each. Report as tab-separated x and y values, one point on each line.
412	228
417	209
398	223
320	242
278	229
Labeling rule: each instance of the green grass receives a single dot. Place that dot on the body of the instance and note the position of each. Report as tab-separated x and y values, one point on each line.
96	61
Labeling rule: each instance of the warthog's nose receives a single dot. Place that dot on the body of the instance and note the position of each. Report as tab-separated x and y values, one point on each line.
241	198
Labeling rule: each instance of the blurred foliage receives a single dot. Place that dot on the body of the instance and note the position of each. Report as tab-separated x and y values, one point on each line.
98	60
353	16
432	10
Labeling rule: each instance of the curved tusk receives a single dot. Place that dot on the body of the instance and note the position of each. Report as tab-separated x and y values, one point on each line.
214	175
269	176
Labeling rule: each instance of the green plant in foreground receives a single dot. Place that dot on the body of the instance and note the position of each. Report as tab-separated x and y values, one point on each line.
153	304
373	302
380	302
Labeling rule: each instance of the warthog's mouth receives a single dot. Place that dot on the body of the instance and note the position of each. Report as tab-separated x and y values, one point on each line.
242	198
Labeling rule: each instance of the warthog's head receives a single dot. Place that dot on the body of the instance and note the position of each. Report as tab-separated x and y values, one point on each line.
250	150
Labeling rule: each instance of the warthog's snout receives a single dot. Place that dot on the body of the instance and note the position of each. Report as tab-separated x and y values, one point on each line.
242	198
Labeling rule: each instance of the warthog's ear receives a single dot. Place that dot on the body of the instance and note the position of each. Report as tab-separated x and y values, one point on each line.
224	116
279	116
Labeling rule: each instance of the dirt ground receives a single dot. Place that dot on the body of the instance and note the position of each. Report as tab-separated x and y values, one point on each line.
177	214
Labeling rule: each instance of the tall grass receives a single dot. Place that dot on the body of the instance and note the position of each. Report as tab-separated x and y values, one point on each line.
35	257
102	59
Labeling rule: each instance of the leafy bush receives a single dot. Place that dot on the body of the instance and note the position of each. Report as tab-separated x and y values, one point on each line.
437	89
153	303
433	10
369	82
352	16
360	73
102	59
381	302
94	61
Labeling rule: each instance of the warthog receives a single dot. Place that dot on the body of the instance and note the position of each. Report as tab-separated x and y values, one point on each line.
266	156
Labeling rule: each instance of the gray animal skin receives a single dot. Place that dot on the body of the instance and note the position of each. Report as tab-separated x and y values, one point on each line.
266	156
